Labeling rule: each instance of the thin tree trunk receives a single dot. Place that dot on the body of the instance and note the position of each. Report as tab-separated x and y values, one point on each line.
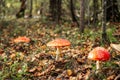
73	12
82	15
59	2
21	12
51	8
55	10
104	34
95	8
31	8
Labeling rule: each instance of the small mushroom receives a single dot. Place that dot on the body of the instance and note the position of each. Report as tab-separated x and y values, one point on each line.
58	43
99	54
116	47
22	39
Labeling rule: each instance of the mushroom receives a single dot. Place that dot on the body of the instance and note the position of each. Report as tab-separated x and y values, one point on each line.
99	54
58	43
22	39
116	47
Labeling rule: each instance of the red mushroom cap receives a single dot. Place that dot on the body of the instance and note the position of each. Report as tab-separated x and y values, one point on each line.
99	53
59	43
22	39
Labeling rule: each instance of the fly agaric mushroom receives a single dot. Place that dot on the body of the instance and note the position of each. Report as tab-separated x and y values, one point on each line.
22	39
99	54
116	47
57	43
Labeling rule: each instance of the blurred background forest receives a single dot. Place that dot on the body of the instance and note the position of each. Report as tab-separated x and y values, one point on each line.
85	23
81	13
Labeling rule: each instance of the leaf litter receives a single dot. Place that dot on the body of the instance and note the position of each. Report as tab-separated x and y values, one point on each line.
40	59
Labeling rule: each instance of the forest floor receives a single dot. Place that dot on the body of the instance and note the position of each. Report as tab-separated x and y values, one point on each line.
36	61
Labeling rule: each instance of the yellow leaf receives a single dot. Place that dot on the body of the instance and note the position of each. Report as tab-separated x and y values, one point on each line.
69	72
43	47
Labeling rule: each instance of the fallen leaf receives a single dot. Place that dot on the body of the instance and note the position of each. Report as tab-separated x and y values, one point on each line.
33	69
12	56
69	72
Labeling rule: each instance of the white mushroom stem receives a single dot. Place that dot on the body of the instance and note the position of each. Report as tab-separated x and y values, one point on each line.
57	53
97	66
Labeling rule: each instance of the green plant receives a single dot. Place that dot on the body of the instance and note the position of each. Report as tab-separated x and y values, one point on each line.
110	35
13	68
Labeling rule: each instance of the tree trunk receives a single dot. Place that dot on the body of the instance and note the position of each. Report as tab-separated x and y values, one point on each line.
104	34
59	2
31	8
73	12
82	15
113	13
55	9
51	8
95	8
21	12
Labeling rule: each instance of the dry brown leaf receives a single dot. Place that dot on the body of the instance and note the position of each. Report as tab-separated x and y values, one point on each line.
12	56
28	58
58	79
73	78
52	53
111	77
45	72
33	69
9	63
1	51
39	68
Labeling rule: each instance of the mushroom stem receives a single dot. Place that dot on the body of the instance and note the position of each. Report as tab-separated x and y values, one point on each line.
97	66
57	53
